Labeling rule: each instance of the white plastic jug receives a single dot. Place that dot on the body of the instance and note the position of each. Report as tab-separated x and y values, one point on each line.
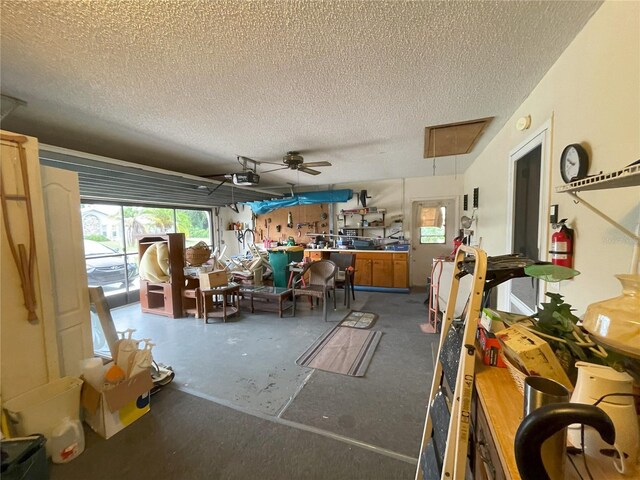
67	441
43	408
614	388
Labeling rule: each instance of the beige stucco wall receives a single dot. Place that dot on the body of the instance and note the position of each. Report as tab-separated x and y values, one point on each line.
397	195
592	95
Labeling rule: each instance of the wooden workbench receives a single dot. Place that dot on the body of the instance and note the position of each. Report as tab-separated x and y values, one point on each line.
374	268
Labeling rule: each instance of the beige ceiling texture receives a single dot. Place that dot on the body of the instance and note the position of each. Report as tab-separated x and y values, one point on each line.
188	85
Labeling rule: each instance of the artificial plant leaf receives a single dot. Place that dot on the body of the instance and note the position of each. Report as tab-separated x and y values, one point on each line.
563	324
565	311
614	360
556	298
546	313
576	350
546	326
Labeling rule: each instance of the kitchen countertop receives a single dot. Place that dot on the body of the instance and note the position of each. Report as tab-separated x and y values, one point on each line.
502	403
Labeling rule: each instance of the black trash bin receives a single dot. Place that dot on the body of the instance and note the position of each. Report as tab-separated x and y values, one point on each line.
24	458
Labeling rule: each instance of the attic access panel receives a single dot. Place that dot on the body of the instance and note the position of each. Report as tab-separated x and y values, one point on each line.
453	138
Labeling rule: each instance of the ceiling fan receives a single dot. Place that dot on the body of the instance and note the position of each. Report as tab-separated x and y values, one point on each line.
294	161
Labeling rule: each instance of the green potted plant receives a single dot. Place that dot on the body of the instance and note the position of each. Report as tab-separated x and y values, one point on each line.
555	322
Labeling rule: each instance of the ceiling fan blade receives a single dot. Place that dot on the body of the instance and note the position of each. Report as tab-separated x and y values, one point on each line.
317	164
282	167
310	171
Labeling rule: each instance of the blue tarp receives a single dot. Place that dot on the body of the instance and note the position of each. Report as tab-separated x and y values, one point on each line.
304	198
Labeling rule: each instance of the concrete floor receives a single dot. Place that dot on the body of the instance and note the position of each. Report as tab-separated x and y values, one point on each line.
248	363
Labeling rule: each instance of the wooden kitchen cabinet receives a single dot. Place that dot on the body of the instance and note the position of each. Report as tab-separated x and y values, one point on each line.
486	460
382	272
363	274
374	268
400	272
314	255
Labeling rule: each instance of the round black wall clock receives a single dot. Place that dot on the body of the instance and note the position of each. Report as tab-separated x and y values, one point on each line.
574	163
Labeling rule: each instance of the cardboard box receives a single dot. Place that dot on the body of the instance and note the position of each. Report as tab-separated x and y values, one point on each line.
113	409
214	279
495	320
491	347
532	354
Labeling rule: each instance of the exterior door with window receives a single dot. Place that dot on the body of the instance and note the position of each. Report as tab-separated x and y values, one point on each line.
433	231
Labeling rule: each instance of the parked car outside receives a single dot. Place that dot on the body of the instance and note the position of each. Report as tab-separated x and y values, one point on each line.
105	266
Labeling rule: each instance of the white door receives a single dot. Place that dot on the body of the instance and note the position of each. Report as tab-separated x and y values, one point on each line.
69	277
527	214
28	349
434	227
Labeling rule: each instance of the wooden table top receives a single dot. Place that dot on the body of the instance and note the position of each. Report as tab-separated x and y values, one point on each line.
503	405
230	287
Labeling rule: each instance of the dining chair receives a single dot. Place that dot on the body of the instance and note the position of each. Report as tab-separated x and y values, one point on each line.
319	284
346	263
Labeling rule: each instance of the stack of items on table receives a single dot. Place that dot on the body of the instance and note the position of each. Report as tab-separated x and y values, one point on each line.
516	347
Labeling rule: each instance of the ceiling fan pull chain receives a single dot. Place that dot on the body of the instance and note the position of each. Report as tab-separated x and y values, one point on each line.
455	160
434	153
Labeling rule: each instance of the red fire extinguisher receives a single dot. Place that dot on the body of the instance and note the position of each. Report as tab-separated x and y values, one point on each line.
562	246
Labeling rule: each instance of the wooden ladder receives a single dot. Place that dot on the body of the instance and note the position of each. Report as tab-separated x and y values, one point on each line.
443	452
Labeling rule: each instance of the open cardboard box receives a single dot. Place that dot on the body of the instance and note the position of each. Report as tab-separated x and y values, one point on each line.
532	354
109	411
214	279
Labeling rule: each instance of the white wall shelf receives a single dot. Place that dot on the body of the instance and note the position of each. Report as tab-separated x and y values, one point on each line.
627	177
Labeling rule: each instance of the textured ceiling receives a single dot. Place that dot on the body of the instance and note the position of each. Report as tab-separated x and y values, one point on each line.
188	85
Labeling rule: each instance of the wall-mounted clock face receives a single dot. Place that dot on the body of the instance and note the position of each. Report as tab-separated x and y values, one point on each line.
574	163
